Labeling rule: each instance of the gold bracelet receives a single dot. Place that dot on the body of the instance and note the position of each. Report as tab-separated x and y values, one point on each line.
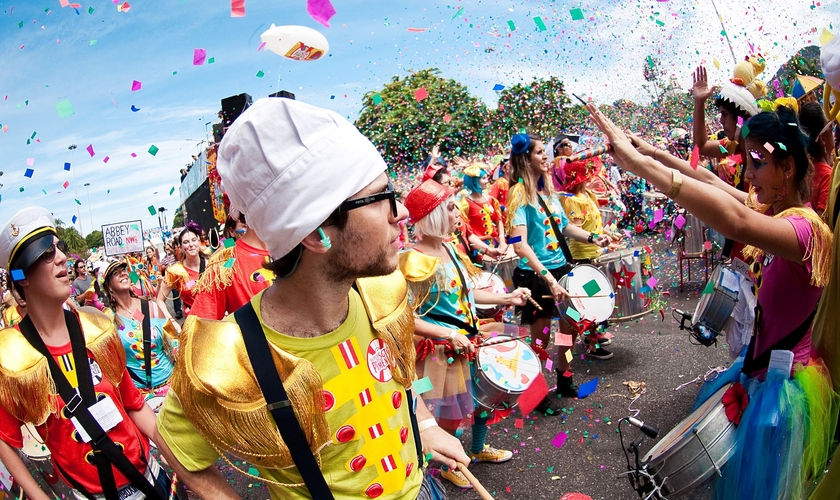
654	153
676	184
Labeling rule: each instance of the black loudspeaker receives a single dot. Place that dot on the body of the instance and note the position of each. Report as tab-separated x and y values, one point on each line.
283	93
218	132
233	106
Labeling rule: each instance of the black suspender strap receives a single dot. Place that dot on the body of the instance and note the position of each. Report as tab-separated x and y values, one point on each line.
201	266
147	341
259	354
77	403
561	240
412	411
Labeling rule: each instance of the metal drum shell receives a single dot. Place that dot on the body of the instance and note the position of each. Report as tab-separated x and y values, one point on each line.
629	302
708	442
692	233
714	309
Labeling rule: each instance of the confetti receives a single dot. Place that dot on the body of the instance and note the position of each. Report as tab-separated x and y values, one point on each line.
28	173
422	385
320	10
199	56
260	74
237	8
64	108
153	150
420	94
135	86
577	14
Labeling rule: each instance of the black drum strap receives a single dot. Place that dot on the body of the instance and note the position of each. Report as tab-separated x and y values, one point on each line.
147	341
557	234
787	343
277	401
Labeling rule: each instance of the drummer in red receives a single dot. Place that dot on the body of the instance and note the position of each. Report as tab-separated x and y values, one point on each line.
446	323
581	208
483	212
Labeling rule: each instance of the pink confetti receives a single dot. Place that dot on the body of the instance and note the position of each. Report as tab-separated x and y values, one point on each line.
135	86
105	160
262	46
695	157
134	155
30	161
421	94
652	282
320	10
560	439
199	55
549	364
769	147
90	150
237	8
417	30
679	221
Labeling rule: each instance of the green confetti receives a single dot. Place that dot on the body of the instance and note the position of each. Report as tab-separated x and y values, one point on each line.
20	25
723	149
710	288
540	23
572	313
152	210
21	190
254	472
33	135
171	191
260	74
229	263
722	32
659	23
174	72
460	11
64	108
591	288
745	131
90	10
784	148
93	42
577	14
511	26
229	242
422	385
211	60
153	150
77	202
377	99
133	276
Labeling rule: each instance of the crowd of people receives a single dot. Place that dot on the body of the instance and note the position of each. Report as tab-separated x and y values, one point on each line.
310	330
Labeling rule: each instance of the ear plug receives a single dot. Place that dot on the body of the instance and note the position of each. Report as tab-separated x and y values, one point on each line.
325	240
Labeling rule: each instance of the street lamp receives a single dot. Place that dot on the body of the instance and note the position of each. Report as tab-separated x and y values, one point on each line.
90	214
72	149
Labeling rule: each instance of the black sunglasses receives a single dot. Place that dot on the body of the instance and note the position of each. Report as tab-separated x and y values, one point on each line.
49	255
389	195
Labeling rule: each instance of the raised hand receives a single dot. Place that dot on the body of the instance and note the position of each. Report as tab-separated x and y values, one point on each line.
701	88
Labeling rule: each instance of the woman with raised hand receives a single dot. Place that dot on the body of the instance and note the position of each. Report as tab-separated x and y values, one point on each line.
790	248
535	216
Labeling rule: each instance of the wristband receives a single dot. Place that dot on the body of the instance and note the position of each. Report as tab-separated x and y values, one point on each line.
425	424
591	237
654	152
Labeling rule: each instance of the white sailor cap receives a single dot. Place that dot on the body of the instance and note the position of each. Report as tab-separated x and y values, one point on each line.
25	237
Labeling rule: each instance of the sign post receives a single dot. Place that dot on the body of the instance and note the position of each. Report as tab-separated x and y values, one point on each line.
123	237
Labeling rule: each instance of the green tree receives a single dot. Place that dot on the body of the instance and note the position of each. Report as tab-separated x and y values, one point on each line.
94	239
541	107
405	129
805	62
178	219
75	242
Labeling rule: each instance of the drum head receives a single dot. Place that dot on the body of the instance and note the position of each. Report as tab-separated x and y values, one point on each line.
491	283
33	446
510	365
155	403
592	293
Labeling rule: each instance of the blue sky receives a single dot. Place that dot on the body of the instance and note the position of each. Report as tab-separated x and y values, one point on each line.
92	60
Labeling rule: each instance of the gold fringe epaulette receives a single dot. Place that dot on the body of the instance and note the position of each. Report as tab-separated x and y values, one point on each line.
386	303
27	390
218	390
422	272
216	276
516	199
171	337
819	249
176	276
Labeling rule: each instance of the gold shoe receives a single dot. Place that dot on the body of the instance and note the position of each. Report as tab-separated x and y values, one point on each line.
490	454
455	477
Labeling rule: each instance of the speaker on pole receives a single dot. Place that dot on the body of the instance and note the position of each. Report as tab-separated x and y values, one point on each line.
233	106
283	93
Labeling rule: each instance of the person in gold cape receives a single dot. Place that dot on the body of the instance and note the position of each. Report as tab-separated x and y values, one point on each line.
790	248
335	324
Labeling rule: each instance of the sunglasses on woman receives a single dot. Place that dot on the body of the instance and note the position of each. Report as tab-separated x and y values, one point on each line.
49	255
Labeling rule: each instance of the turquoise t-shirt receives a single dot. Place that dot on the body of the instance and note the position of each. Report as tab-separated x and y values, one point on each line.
540	235
131	334
449	301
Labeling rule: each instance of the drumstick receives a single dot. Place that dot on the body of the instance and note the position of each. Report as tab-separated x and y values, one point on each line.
488	343
473	481
534	302
577	296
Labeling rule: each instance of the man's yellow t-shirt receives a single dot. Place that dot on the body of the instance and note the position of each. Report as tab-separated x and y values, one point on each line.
372	453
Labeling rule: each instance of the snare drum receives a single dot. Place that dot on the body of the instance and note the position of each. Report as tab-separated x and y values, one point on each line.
491	283
716	304
608	217
590	294
37	457
697	447
504	266
623	268
504	369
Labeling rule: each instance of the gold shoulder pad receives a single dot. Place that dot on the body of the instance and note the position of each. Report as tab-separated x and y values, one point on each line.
417	266
217	387
176	275
216	276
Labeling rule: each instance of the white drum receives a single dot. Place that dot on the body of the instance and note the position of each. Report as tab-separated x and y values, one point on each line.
491	283
505	368
591	295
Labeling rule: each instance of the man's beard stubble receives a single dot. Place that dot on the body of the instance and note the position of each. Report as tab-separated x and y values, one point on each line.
348	263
